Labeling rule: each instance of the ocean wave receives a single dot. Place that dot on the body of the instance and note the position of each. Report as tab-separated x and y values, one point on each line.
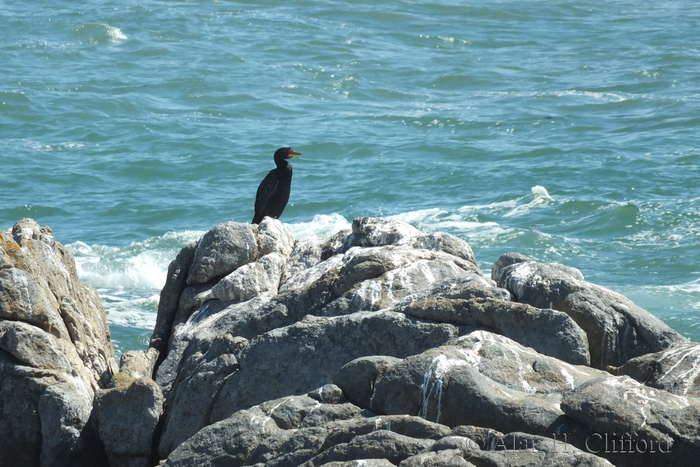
692	287
322	225
433	220
140	265
100	33
538	197
124	308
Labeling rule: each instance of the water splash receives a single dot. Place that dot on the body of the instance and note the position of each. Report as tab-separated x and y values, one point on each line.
322	225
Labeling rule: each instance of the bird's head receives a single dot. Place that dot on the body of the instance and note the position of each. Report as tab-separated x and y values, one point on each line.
285	153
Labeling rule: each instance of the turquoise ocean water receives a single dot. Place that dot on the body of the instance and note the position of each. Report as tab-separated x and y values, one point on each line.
565	131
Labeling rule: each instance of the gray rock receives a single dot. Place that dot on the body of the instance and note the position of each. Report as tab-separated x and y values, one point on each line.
22	298
521	368
209	324
526	450
617	329
250	257
310	251
461	443
139	363
43	289
360	463
329	393
249	281
191	299
373	231
505	260
486	438
405	325
231	442
380	444
273	237
300	430
55	351
66	428
482	379
443	458
407	425
631	421
465	286
175	283
443	241
286	431
222	250
399	272
676	370
358	377
324	414
547	331
364	279
297	358
208	360
127	416
307	252
465	396
32	347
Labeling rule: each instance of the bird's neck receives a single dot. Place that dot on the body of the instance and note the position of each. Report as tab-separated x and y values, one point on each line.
284	165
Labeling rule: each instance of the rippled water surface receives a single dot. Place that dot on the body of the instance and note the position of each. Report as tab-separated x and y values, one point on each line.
564	131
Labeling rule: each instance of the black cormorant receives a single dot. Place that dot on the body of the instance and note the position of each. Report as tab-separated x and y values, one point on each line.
273	192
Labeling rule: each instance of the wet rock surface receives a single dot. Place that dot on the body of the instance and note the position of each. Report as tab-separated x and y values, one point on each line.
380	345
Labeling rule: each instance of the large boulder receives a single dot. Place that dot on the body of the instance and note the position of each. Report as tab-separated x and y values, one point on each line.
676	370
55	353
222	250
128	410
297	358
633	424
481	379
617	329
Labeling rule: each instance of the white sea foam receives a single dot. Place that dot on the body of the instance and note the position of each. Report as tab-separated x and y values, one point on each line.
539	197
123	308
140	265
422	215
569	93
129	279
115	35
460	223
106	267
322	225
688	287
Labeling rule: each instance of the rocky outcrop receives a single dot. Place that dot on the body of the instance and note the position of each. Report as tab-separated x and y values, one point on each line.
408	332
307	431
55	352
380	345
617	329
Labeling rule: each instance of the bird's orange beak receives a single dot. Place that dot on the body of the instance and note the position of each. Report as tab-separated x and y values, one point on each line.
293	153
